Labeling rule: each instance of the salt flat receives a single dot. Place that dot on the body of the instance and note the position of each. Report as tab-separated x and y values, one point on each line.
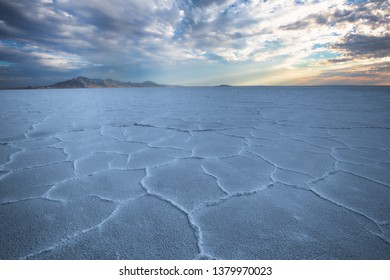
195	173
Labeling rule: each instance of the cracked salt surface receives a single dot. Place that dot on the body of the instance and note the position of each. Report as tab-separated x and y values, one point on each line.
195	173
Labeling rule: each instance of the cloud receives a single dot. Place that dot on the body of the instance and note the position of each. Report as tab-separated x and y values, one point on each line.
296	25
356	45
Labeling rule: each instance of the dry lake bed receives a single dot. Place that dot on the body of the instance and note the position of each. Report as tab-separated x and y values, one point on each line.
195	173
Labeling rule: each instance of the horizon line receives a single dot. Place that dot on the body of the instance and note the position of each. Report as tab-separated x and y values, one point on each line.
188	86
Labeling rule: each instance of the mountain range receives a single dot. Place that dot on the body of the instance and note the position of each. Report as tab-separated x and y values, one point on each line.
83	82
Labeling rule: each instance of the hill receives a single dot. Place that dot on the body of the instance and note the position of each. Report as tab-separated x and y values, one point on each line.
83	82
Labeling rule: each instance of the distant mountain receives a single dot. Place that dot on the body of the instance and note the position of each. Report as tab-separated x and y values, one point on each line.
83	82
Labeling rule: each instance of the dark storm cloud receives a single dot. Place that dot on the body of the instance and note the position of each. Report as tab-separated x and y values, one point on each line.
96	18
26	20
13	17
356	45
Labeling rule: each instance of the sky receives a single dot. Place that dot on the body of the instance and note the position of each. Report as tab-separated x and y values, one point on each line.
198	42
